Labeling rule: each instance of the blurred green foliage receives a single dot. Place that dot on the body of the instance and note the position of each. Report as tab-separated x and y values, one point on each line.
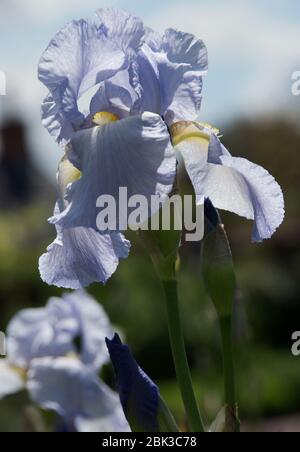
267	305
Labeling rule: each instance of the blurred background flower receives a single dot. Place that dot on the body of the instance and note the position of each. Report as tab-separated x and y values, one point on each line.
55	354
253	51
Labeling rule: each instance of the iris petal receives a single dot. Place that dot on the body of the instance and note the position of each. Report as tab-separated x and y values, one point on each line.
138	394
71	65
81	256
66	386
31	335
93	326
169	75
10	381
232	184
134	153
112	98
264	193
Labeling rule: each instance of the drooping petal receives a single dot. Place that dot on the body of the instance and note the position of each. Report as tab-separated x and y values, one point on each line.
169	75
138	394
260	196
81	256
69	388
11	380
80	56
134	153
232	184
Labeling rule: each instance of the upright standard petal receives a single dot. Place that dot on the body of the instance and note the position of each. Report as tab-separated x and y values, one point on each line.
69	388
123	29
134	153
31	334
36	333
138	394
72	325
11	380
168	75
80	56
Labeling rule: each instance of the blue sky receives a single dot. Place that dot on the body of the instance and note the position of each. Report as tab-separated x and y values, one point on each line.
254	46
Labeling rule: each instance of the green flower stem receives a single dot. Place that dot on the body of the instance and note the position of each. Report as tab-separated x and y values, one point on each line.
180	358
229	378
228	363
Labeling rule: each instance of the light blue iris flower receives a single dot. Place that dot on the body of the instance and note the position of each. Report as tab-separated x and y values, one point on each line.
145	92
133	152
56	353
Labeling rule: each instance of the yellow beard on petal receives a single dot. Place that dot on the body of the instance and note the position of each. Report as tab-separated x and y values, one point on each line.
22	373
67	174
104	117
186	130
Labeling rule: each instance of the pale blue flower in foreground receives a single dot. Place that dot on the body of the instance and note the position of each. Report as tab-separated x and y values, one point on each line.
119	142
55	353
145	92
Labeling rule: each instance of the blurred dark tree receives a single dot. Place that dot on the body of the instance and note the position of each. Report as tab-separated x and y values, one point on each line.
15	167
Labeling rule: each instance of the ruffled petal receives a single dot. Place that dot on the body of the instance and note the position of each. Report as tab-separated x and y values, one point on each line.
232	184
81	256
28	331
80	56
73	324
10	380
54	121
258	189
123	29
69	388
134	153
169	75
35	333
